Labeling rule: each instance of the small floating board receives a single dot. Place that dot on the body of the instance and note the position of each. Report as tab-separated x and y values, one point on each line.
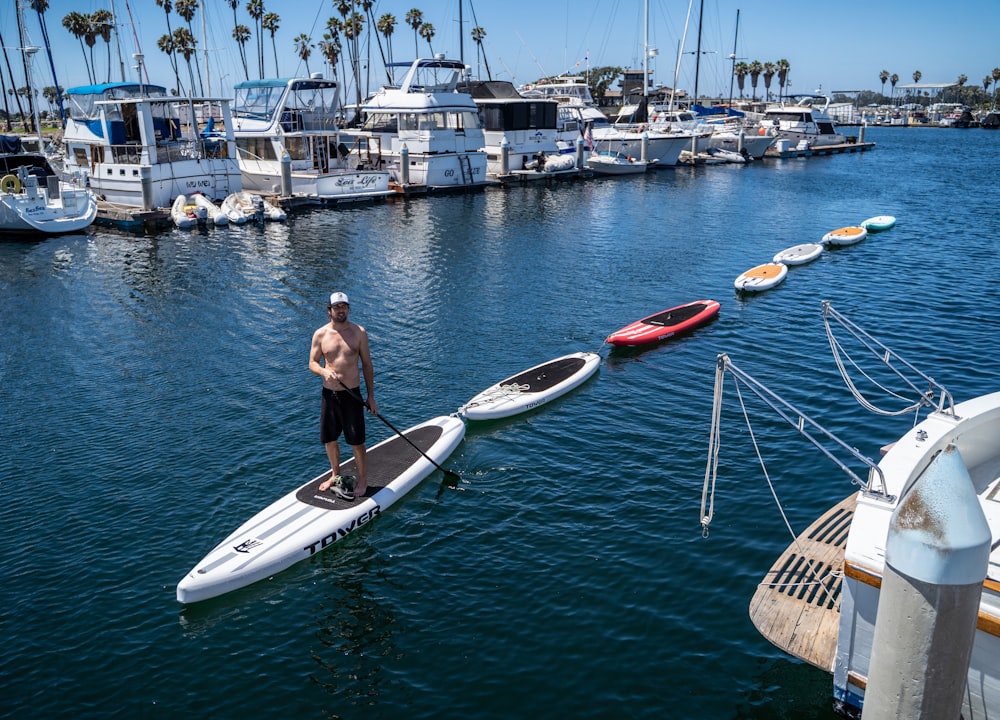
799	254
665	324
532	387
306	521
845	235
762	277
878	223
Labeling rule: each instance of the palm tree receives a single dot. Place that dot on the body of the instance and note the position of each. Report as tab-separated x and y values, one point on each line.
960	81
166	44
185	44
893	79
415	18
883	76
303	46
427	33
270	23
916	79
996	76
768	71
329	48
783	68
755	70
76	23
255	8
333	28
352	31
741	70
90	38
167	6
187	9
477	35
241	33
102	21
386	26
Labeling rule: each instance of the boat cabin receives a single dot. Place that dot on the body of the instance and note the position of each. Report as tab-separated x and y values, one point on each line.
185	144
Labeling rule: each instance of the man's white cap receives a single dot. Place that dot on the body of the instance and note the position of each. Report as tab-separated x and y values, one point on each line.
339	297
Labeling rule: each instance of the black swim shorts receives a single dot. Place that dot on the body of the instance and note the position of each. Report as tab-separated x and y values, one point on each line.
342	411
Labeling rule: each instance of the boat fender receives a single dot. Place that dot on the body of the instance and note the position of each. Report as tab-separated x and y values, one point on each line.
10	184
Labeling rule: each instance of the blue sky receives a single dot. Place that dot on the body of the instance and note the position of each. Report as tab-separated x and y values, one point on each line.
832	46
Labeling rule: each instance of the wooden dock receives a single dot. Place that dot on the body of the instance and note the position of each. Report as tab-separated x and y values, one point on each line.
795	152
797	604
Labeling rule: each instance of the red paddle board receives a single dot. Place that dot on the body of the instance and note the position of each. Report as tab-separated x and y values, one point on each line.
665	324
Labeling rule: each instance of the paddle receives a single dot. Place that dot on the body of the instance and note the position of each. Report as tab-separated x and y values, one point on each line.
357	396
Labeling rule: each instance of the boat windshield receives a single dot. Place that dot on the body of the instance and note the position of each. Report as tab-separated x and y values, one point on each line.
257	102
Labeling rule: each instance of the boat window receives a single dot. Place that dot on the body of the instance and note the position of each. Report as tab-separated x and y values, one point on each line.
256	148
466	120
408	121
297	147
433	121
492	118
381	122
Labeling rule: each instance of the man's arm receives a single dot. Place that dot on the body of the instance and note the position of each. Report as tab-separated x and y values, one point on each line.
316	357
368	371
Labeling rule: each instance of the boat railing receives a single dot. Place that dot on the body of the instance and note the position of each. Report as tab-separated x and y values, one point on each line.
924	396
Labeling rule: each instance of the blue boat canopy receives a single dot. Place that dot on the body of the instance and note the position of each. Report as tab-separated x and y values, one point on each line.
102	88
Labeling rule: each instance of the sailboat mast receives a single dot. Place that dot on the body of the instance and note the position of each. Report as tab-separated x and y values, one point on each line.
204	44
697	56
645	55
732	57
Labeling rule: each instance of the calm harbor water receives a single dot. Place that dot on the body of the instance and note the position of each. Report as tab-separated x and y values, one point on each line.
156	394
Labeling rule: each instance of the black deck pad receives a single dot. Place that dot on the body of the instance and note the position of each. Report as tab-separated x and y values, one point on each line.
677	316
385	463
544	377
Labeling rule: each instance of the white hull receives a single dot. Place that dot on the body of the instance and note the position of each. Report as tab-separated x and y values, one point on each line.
974	429
121	183
664	149
33	211
338	186
755	144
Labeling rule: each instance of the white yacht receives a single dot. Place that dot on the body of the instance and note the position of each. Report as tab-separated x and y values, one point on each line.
805	124
298	117
133	144
429	120
525	130
33	199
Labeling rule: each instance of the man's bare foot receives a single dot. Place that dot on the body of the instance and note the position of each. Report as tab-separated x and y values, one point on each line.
328	483
360	488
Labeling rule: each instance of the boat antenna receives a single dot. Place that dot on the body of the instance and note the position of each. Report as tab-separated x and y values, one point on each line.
143	71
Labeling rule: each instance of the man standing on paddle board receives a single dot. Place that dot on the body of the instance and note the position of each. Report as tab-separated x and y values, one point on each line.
337	347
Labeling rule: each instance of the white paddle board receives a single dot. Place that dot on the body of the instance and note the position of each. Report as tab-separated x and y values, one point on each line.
761	277
306	521
845	236
799	254
532	387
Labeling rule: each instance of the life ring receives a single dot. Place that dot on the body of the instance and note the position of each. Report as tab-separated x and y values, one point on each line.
10	184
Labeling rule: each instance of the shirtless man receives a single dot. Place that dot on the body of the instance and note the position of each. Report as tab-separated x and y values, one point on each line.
336	349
